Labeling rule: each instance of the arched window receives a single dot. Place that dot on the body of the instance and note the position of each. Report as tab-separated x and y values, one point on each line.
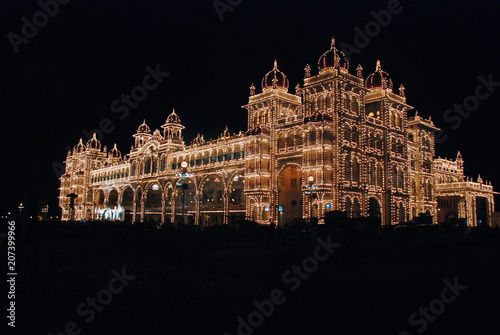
312	136
354	105
379	175
281	141
355	135
395	177
372	173
355	170
401	181
348	175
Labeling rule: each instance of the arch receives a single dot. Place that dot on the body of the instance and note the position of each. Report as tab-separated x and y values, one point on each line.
128	198
356	174
312	135
299	137
374	210
290	191
401	213
99	198
113	198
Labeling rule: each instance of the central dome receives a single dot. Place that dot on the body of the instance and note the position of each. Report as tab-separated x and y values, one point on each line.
333	58
275	79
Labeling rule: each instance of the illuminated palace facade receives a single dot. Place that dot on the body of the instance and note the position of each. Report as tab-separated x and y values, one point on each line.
347	138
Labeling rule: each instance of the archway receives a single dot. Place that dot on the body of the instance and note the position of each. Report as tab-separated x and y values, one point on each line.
113	199
237	198
212	201
128	203
482	211
99	198
290	194
401	213
152	203
374	208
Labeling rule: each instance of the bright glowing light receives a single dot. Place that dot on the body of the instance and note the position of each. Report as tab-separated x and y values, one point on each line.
184	164
310	179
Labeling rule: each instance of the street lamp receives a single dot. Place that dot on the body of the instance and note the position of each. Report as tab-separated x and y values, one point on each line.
21	207
312	195
183	185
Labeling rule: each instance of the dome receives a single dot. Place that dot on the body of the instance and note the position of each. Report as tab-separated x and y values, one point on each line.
79	147
143	128
333	58
173	118
93	143
115	153
275	79
379	79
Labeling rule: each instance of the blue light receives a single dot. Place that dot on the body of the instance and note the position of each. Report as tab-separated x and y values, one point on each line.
328	206
266	208
280	208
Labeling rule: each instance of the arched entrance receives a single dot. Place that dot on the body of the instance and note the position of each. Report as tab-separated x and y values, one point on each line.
128	203
212	201
152	204
113	199
482	211
290	195
374	208
237	198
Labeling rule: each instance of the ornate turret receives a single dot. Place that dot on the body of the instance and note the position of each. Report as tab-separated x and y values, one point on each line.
142	135
172	129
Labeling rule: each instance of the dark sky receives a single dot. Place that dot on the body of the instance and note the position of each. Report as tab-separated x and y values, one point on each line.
64	79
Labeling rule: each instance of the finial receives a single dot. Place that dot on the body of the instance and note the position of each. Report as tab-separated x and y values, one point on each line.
298	90
308	71
94	137
275	64
252	89
333	42
359	70
379	67
402	90
459	155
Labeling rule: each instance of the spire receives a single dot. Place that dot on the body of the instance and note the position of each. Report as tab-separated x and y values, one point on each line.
459	155
379	67
359	70
402	90
308	71
275	65
252	89
333	43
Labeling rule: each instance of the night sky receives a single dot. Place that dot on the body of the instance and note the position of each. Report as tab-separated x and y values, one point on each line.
65	78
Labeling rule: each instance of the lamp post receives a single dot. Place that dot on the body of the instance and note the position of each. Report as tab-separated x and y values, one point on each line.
312	195
183	185
21	207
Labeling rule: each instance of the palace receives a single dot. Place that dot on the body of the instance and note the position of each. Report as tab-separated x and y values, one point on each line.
340	142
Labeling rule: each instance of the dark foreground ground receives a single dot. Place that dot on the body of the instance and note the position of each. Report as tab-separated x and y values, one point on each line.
188	282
